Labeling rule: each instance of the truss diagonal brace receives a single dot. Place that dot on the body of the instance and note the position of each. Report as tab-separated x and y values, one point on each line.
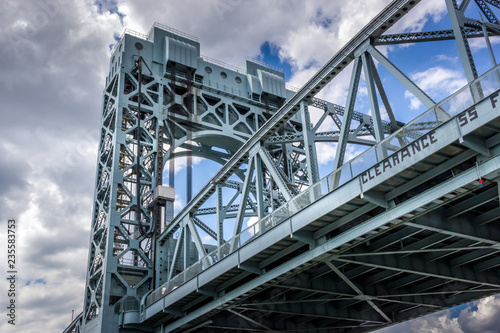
176	253
410	85
495	3
376	118
250	320
204	227
357	290
349	112
198	243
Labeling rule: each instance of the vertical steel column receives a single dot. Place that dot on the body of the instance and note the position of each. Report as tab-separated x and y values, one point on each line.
372	96
259	186
490	49
309	145
186	249
220	215
117	248
139	150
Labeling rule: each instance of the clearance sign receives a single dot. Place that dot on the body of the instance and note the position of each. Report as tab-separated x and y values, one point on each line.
455	129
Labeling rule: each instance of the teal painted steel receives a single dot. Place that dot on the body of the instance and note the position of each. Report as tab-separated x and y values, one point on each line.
246	119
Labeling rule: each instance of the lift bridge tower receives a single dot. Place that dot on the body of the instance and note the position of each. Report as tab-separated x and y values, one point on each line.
373	242
185	105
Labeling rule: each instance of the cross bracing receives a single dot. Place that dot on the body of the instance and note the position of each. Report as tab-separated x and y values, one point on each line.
382	226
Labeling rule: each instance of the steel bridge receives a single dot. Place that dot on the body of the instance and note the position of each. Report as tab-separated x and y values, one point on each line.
405	228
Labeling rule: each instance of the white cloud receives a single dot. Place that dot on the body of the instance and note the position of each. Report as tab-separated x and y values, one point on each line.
424	12
479	43
484	319
326	152
438	82
478	317
447	58
178	203
437	323
182	162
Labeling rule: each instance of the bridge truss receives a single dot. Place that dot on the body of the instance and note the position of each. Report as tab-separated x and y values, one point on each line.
402	230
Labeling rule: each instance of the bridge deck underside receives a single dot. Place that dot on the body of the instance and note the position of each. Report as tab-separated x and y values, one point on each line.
439	255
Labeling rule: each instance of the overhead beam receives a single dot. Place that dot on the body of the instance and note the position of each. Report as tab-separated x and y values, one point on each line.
475	143
475	201
375	197
325	311
490	16
425	36
256	323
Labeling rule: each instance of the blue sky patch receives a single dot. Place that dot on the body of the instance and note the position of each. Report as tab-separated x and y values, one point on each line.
110	6
37	281
270	55
455	312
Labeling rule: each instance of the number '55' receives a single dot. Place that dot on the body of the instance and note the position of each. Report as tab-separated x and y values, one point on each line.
467	117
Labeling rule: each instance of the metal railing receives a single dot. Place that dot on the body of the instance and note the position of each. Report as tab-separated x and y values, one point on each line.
148	37
131	33
440	113
223	64
172	30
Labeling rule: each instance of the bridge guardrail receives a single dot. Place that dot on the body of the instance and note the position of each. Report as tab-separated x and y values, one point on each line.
445	110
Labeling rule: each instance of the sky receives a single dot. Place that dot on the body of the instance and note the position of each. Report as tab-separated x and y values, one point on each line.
54	60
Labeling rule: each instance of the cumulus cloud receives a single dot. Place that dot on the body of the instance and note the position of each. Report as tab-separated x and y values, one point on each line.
477	317
438	323
479	43
484	319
